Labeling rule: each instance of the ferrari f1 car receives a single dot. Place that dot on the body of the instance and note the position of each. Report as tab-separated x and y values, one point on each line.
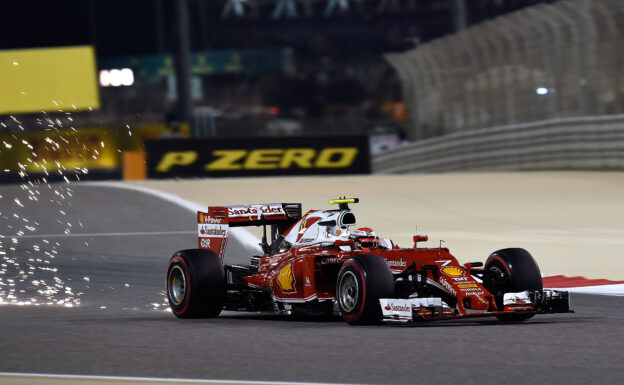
320	264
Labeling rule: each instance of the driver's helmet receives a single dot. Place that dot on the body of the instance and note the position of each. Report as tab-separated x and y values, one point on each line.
365	238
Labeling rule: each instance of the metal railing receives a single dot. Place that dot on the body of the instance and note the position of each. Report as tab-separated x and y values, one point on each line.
573	143
548	61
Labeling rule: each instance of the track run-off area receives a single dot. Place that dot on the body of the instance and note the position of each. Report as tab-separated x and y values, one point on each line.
82	270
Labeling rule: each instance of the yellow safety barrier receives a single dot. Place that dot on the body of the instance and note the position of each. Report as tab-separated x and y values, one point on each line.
67	150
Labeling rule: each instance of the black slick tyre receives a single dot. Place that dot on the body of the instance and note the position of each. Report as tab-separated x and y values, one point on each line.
361	281
508	271
195	284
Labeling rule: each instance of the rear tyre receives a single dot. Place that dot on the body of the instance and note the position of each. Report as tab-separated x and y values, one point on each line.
195	284
362	280
508	271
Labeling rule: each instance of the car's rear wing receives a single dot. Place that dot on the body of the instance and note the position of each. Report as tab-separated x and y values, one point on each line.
213	225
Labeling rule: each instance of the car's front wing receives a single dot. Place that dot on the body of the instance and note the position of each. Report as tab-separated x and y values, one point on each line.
422	309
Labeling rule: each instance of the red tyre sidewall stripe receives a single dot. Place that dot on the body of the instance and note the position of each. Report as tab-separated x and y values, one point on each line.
355	316
187	294
502	262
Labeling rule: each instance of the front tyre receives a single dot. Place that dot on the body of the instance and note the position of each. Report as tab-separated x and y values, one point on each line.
362	281
195	284
509	271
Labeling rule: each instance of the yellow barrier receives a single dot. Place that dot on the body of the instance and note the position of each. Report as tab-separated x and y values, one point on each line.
91	148
48	79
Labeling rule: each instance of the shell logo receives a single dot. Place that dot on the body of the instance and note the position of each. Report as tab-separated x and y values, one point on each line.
453	271
201	218
286	279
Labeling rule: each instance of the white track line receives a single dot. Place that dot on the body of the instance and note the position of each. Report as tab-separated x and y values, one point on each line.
29	378
70	235
246	238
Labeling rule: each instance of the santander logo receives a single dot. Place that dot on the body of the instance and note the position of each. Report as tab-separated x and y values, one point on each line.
253	210
401	308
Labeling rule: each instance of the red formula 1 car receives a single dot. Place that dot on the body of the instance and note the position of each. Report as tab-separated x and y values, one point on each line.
320	264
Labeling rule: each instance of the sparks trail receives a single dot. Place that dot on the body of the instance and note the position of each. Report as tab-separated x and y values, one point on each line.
32	272
29	275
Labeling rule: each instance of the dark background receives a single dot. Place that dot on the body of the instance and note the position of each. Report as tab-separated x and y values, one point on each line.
334	78
122	27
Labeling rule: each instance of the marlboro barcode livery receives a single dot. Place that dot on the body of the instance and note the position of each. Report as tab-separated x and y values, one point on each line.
322	263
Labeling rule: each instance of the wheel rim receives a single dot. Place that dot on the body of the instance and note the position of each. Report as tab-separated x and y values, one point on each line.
349	291
177	285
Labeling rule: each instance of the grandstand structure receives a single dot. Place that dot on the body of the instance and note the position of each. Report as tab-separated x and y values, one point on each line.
550	61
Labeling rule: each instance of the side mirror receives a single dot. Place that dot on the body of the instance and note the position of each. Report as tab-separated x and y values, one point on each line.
344	242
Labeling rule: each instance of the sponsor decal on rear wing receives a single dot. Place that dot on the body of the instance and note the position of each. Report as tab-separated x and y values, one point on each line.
213	226
212	230
255	212
262	214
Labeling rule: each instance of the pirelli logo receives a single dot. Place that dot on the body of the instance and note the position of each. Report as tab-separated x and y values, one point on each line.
288	156
264	159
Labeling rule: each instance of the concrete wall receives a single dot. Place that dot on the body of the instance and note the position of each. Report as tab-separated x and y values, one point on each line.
589	143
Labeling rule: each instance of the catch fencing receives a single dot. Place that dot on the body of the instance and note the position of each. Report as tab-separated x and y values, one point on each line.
578	143
549	61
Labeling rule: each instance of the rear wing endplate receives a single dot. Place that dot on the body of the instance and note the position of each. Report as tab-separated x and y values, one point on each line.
213	225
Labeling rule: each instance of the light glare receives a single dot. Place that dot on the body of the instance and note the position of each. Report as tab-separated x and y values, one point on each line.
116	77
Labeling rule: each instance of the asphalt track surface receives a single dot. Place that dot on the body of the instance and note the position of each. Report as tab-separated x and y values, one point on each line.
118	327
